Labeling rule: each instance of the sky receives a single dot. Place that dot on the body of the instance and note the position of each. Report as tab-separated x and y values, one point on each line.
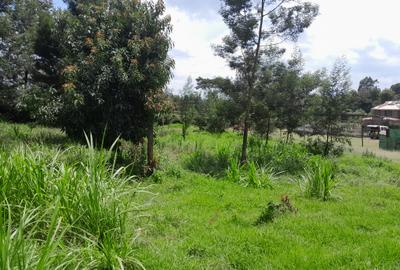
366	32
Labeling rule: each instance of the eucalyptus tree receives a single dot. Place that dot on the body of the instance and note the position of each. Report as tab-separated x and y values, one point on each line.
255	26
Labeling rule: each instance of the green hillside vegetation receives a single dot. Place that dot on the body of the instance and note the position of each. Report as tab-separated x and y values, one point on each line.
66	205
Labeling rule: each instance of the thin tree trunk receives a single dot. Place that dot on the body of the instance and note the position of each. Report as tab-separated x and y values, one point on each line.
251	82
243	158
151	164
268	130
327	143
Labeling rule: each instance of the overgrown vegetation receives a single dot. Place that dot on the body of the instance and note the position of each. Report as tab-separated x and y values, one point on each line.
320	179
56	214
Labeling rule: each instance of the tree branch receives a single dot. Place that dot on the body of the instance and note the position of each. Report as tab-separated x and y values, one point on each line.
275	8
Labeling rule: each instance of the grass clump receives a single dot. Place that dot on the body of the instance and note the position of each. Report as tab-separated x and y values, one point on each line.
57	215
250	175
320	180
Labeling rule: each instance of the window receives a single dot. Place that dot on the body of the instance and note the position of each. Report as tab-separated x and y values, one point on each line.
388	114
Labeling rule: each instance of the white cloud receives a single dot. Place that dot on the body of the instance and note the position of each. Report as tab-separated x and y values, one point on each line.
348	27
357	29
193	37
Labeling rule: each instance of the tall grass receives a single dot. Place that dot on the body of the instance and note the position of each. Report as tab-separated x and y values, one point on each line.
57	215
320	180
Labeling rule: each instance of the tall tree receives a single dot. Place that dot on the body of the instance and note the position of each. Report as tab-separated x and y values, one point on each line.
369	93
116	69
19	20
254	27
396	88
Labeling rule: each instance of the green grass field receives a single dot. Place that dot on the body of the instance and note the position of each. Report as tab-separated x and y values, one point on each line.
186	219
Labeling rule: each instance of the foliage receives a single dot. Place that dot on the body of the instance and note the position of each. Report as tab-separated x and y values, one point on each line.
132	156
19	21
283	157
254	26
56	214
187	108
320	180
330	103
116	67
316	146
274	210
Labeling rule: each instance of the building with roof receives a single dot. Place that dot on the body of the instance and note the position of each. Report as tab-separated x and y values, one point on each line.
387	114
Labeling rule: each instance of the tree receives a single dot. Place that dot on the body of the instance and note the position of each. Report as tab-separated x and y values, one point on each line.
331	104
116	69
254	27
187	106
19	20
387	95
367	84
396	88
369	93
293	89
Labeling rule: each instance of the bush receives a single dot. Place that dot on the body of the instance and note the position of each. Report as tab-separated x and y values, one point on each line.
320	179
282	157
317	147
274	210
132	156
250	175
206	162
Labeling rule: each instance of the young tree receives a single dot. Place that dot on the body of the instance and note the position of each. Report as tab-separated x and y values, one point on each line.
117	67
331	104
187	104
293	89
254	27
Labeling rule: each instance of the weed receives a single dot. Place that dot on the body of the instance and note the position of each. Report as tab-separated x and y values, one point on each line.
274	210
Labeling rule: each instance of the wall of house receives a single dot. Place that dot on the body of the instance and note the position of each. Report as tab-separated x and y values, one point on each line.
381	113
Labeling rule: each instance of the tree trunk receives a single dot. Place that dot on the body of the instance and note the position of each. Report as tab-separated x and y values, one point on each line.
268	131
326	152
151	164
243	158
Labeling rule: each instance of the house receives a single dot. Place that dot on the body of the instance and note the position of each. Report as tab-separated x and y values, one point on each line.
387	114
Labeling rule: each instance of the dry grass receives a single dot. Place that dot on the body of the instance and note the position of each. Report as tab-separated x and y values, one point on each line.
373	146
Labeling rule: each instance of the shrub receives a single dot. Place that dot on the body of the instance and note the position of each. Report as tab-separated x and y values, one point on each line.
250	175
203	161
274	210
233	172
283	157
317	147
320	179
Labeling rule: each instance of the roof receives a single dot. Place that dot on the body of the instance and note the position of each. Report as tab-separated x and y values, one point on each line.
388	106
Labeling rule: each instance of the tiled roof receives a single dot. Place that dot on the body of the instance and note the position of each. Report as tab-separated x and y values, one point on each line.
388	106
